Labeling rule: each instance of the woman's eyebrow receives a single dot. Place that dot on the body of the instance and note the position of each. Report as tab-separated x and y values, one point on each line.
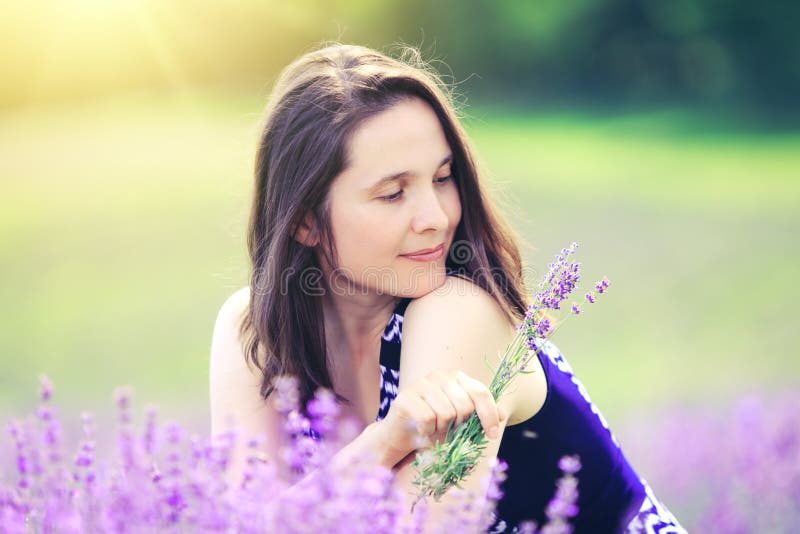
395	176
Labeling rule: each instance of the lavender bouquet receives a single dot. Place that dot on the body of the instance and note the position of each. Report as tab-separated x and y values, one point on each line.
444	465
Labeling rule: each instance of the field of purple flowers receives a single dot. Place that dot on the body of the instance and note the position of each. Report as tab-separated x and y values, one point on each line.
159	479
733	469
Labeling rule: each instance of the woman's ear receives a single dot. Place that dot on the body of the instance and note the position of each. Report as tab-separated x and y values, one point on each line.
306	233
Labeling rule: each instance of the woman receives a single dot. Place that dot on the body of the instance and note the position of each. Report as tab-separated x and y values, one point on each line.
370	226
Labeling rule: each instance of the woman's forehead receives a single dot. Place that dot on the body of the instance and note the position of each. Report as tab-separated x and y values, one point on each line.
406	138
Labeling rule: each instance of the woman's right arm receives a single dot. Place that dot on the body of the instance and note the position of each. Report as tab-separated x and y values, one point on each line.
235	390
236	402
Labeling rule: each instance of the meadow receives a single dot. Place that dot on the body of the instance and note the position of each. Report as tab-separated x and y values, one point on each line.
122	231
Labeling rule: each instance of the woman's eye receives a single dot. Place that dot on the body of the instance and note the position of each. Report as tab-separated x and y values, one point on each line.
396	196
392	197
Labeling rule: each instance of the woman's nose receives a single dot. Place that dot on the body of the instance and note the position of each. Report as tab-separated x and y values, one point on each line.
430	213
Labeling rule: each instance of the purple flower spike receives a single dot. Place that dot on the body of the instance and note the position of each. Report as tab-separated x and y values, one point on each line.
561	508
287	394
87	418
149	436
542	329
499	468
295	423
174	433
494	493
22	464
323	410
85	456
122	397
323	404
601	286
44	413
496	478
570	464
46	390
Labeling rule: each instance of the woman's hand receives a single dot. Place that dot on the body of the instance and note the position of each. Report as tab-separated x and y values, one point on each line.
420	414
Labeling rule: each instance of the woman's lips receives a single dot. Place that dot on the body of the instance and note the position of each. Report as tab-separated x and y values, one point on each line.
430	256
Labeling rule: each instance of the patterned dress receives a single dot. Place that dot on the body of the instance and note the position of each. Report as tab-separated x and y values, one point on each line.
612	497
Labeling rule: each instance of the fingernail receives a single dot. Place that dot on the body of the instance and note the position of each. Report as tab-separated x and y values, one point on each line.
493	432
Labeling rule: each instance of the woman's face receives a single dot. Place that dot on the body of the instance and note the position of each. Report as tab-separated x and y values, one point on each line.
397	197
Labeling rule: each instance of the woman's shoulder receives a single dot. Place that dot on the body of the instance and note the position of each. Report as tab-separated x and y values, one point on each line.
454	327
227	345
458	299
238	301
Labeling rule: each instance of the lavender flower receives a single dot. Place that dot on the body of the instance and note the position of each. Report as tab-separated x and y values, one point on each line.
570	464
46	390
492	489
564	504
20	436
323	409
287	395
601	286
149	437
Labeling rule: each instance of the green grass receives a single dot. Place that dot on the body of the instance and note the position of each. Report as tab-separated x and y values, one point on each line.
122	231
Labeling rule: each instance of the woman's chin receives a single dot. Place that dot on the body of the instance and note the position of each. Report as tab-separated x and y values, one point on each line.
431	281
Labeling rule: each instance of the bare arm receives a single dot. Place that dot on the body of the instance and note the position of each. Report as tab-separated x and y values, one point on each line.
235	390
450	331
236	402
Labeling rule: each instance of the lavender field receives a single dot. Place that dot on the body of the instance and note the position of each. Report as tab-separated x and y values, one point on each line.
735	469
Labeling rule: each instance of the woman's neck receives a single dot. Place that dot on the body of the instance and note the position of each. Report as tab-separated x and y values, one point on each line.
354	325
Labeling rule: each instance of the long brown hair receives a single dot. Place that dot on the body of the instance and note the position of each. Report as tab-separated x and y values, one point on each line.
316	104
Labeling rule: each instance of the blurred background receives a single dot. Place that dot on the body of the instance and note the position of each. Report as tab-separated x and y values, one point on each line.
663	137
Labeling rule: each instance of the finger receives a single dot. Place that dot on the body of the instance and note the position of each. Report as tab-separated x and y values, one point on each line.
422	416
502	413
460	400
441	406
485	405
